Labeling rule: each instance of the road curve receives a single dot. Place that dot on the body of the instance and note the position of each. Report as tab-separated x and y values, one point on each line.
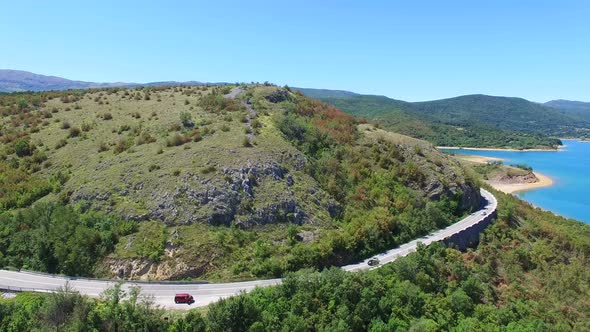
204	293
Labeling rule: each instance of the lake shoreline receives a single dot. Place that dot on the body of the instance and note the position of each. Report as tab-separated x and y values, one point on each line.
559	149
509	188
513	188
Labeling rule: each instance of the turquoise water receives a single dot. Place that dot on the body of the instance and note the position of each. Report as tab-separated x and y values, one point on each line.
569	169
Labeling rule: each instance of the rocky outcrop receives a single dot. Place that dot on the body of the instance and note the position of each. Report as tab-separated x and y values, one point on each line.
256	193
515	179
278	96
145	269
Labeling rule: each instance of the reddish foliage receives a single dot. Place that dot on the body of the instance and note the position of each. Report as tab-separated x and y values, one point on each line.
329	120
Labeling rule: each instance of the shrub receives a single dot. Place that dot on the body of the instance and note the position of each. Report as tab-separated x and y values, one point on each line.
175	127
208	169
176	172
86	126
145	138
153	167
123	128
246	142
75	132
177	140
107	116
224	128
197	136
103	147
23	148
524	167
186	119
61	143
65	125
122	145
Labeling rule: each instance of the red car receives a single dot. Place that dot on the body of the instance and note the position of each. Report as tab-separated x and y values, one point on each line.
184	298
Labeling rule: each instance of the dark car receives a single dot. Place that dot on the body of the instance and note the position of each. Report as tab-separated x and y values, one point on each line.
373	262
184	298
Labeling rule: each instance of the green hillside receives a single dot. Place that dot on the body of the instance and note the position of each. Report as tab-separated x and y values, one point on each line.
209	182
468	121
526	264
579	108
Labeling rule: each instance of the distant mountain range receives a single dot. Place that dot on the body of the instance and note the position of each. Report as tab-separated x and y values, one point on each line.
469	121
19	81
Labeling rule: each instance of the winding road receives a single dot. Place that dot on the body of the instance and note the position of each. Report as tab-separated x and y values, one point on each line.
205	293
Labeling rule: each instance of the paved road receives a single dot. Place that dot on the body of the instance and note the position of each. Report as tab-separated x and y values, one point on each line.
163	293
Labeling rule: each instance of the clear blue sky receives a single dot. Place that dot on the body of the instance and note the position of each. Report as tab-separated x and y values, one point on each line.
411	50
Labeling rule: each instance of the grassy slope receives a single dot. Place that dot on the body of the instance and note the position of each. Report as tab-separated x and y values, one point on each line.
195	217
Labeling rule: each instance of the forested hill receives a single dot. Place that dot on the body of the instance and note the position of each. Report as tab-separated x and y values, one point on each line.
472	120
580	108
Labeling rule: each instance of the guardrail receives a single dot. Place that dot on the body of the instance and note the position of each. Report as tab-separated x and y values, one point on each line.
470	235
165	282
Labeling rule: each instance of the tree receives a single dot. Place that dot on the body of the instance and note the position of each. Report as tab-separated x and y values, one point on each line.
23	148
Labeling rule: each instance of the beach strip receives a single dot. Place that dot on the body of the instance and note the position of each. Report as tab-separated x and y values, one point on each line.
544	181
499	149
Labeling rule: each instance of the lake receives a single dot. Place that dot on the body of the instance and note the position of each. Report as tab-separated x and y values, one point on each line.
569	196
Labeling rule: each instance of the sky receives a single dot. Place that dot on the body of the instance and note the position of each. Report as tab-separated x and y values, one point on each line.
411	50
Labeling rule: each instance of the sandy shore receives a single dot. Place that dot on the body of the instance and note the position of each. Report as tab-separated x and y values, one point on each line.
544	181
509	188
498	149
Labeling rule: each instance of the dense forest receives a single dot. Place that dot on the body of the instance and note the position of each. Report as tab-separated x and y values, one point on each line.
529	273
467	121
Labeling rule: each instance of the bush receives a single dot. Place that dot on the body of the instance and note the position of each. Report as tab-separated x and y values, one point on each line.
524	167
61	143
145	138
23	148
107	116
65	125
246	142
177	140
75	132
122	145
86	126
102	147
208	169
186	119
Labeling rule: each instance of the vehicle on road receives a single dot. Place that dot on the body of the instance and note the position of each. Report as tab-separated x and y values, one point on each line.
184	298
484	213
373	262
